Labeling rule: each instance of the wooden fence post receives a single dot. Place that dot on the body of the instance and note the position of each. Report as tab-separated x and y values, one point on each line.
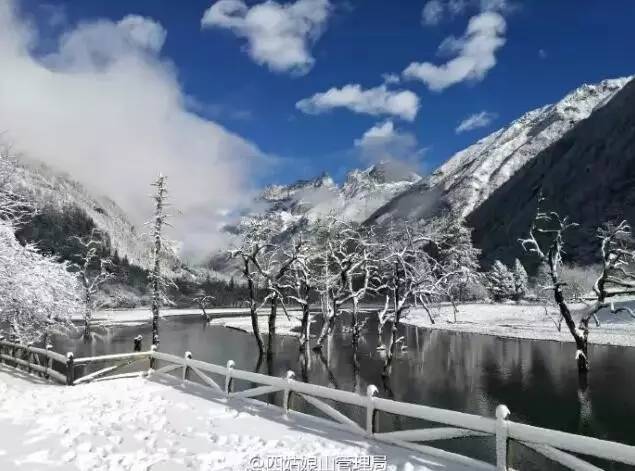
70	369
137	343
287	392
188	356
229	382
502	440
1	349
49	361
371	413
29	356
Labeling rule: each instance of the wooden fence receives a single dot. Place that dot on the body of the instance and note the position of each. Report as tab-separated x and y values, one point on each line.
552	444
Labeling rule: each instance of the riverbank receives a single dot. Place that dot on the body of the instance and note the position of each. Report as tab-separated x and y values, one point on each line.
160	424
523	321
507	320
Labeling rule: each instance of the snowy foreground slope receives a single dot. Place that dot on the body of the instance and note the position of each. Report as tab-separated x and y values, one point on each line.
139	424
469	177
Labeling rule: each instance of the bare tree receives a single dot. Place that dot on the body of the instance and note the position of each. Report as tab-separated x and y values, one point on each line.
411	274
546	240
303	283
345	273
203	302
251	243
159	282
273	263
90	276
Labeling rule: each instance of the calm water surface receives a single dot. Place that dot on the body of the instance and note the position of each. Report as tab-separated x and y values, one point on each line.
464	372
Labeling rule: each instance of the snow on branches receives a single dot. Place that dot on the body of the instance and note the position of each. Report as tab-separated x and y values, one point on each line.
38	295
546	240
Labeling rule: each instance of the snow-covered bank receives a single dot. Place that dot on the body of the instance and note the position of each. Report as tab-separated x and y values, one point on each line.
159	424
524	321
141	315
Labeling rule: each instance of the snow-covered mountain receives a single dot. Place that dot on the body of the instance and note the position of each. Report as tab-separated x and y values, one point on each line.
587	175
361	194
54	193
469	177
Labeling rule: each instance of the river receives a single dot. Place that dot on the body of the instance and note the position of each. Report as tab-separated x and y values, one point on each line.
459	371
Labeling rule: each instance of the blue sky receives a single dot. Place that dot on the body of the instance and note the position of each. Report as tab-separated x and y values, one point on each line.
550	47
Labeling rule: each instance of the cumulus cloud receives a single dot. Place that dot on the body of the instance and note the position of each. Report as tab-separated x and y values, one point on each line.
374	101
383	142
105	108
278	35
474	54
475	121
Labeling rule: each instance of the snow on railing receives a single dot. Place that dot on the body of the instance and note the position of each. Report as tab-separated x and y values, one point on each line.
552	444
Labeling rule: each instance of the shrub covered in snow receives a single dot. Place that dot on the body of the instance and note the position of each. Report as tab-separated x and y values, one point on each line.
37	294
500	282
521	281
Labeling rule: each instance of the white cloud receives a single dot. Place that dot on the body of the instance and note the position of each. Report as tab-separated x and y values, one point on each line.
106	109
383	142
278	35
391	79
475	121
374	101
432	12
474	54
143	32
435	11
542	53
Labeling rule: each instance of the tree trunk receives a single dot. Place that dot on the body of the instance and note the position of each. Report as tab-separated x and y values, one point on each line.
355	324
87	316
580	334
253	310
304	329
329	322
272	317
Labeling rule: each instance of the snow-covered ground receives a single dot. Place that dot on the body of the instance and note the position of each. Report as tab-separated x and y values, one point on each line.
525	321
161	424
141	315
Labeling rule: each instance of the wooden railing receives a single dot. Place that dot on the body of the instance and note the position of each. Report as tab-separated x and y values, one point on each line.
552	444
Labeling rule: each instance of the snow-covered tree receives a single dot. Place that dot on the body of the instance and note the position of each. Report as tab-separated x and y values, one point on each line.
454	251
409	273
546	240
345	272
37	294
500	282
93	271
521	280
253	240
302	281
159	282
